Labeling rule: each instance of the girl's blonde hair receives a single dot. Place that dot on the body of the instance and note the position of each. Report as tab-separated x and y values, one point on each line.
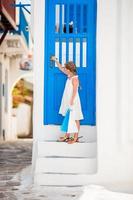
71	66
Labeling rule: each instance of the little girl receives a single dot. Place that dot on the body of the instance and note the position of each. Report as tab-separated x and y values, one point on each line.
70	98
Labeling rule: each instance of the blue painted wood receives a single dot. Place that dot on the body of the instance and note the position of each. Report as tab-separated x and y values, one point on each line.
23	26
54	81
67	49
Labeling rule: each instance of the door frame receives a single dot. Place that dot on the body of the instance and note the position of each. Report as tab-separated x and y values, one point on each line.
46	61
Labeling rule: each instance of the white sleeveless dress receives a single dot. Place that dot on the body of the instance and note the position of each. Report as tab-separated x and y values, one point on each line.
65	103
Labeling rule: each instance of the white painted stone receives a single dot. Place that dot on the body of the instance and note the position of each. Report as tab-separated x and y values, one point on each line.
66	165
113	95
61	179
11	50
52	132
67	150
13	130
97	192
23	119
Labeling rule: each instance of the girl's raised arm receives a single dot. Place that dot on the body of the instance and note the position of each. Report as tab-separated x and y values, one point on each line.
63	69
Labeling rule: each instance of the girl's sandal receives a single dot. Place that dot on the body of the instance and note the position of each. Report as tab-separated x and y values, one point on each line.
63	139
72	140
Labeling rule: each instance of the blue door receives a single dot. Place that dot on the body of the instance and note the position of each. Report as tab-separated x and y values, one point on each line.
70	35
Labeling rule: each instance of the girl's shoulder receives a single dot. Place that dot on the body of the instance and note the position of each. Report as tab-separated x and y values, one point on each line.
75	76
72	77
75	80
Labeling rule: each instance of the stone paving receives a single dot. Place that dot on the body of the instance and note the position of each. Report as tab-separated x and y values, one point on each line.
16	179
14	156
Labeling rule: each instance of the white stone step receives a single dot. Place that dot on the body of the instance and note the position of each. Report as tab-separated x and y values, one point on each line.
47	149
52	132
66	165
63	179
58	193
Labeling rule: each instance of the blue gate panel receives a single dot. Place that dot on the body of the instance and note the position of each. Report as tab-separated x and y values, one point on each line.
70	36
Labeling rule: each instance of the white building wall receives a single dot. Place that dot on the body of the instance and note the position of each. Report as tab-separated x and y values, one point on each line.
11	65
114	89
5	60
1	97
114	148
127	71
32	20
7	108
23	113
15	74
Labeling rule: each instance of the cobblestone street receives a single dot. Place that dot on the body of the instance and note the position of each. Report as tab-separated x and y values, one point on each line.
15	175
16	179
14	157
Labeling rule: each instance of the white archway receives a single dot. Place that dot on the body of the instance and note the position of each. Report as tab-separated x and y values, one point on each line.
24	110
24	75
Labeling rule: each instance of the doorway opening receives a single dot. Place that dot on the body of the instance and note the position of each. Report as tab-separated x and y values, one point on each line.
22	108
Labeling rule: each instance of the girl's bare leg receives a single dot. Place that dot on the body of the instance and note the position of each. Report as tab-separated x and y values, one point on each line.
78	124
75	134
65	137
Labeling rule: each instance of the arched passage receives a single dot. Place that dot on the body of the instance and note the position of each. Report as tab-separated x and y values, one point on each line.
22	106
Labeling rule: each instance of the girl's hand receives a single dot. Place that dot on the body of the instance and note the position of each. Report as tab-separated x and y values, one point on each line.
71	107
53	58
71	102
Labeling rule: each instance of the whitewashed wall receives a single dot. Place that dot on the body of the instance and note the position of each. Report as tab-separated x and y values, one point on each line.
23	114
2	100
114	61
6	98
11	65
114	89
15	74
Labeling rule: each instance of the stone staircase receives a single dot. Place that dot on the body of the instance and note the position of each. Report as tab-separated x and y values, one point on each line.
62	164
